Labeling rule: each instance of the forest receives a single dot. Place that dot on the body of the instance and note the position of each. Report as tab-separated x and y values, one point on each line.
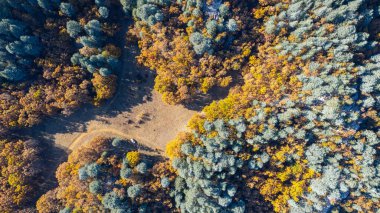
298	129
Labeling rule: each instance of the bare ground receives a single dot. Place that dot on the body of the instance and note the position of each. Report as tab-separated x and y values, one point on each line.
152	124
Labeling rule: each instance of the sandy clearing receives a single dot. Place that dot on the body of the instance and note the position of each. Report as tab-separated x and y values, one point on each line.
160	124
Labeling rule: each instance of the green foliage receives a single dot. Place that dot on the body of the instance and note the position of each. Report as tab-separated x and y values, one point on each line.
111	201
148	13
95	187
142	168
100	61
134	191
165	182
200	43
104	12
67	9
18	49
73	28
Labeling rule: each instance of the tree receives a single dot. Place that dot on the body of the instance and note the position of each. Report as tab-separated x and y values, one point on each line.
200	43
93	28
104	86
82	173
212	27
232	25
142	168
125	172
114	190
105	72
165	182
95	187
117	142
127	5
48	5
133	158
93	170
104	12
111	201
67	9
134	191
13	73
73	28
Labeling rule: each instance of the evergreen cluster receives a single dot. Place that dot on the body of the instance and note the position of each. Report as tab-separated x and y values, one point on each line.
313	148
95	54
19	46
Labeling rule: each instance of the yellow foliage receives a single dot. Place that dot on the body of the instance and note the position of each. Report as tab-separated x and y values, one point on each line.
291	184
173	148
104	86
133	158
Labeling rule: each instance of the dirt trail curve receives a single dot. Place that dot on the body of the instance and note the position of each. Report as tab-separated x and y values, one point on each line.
85	138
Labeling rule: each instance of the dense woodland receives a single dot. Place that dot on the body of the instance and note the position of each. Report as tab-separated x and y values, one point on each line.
298	132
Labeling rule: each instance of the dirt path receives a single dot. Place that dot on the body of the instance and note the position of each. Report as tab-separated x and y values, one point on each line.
85	138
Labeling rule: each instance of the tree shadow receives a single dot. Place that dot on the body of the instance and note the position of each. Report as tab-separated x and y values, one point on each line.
53	156
200	101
